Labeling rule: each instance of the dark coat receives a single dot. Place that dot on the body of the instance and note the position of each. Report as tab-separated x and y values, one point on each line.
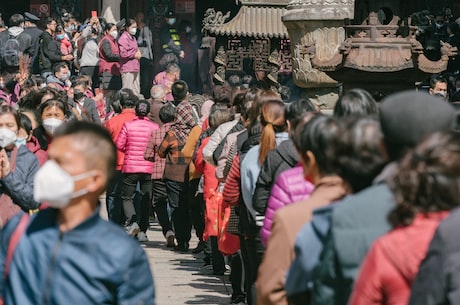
19	185
90	112
24	40
356	222
50	52
438	279
283	157
35	33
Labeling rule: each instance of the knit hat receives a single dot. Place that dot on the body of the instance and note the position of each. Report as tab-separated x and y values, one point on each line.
409	116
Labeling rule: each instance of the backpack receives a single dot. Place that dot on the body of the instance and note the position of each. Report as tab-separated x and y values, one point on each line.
9	53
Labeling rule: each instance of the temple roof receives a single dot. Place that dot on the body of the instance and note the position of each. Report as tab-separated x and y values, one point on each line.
255	21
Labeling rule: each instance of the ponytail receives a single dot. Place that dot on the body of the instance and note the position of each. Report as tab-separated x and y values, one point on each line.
273	121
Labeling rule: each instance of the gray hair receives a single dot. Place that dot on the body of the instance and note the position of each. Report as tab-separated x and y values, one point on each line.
157	92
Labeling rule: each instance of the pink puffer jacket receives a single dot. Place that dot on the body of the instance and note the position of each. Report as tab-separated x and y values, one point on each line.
290	187
132	140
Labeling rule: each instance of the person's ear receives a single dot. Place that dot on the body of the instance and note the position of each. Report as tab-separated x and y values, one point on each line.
312	167
98	182
311	159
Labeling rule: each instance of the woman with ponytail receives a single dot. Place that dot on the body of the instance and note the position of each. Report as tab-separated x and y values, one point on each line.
274	131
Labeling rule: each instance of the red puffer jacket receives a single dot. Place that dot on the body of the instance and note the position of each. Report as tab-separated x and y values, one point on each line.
132	140
210	181
392	263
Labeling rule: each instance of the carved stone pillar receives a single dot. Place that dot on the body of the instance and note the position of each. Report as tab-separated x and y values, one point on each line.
111	10
316	31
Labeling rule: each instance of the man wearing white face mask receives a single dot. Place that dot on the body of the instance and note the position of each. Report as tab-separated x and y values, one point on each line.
169	37
438	86
67	253
129	58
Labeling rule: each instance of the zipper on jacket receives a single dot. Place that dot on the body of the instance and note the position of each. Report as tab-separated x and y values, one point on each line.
49	277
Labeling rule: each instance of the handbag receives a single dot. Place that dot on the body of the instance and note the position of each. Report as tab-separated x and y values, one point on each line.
7	208
233	222
227	244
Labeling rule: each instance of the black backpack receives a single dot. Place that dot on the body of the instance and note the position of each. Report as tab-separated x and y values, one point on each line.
9	53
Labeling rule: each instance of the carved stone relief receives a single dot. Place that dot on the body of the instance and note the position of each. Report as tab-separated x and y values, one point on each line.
316	32
258	51
212	19
319	48
319	10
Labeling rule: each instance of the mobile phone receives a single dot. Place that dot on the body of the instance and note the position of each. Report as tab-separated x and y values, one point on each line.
93	13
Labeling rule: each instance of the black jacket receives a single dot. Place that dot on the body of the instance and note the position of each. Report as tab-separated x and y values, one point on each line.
35	33
19	185
50	52
438	279
247	224
24	40
278	160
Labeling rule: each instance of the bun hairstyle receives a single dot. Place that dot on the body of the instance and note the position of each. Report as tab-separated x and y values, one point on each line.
142	108
428	178
273	121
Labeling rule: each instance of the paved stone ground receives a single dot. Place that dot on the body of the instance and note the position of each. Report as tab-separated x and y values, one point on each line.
180	278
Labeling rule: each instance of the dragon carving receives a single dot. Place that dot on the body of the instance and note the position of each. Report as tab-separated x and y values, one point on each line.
212	19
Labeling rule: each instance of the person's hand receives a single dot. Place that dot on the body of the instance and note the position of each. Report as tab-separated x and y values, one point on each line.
68	57
138	55
4	164
182	54
76	36
94	20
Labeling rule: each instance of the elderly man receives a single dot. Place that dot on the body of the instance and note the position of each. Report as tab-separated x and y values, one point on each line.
157	100
67	254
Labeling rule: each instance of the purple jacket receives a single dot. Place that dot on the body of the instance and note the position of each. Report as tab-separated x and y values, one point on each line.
132	140
128	48
290	187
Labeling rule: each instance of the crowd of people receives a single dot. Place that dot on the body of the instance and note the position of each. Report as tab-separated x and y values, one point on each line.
297	206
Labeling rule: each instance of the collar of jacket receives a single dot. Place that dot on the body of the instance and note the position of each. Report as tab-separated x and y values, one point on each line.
126	110
50	216
331	188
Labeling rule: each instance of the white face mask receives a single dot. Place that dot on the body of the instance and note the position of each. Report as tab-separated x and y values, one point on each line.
55	186
51	125
114	34
442	94
171	21
7	137
132	31
20	141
